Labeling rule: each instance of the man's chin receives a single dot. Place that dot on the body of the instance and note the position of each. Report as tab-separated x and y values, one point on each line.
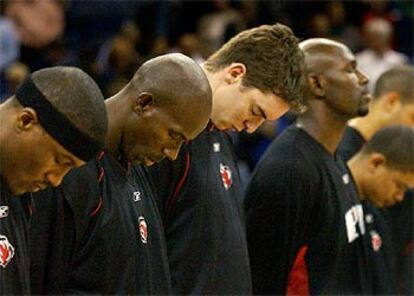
364	111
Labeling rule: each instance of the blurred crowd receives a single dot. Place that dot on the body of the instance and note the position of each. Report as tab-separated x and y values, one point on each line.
111	39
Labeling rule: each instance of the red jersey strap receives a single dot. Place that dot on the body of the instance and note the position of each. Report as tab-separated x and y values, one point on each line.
100	181
169	207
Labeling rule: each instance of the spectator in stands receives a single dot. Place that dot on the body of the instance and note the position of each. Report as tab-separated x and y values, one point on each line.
378	57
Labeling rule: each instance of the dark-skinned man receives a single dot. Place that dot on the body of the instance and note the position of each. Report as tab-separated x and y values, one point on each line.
383	170
117	237
393	104
255	76
304	221
56	121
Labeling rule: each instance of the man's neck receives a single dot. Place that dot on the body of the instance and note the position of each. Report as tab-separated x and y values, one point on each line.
114	106
380	52
354	166
367	126
325	127
214	79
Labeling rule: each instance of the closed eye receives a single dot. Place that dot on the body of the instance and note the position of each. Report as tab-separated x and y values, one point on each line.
64	161
257	111
175	136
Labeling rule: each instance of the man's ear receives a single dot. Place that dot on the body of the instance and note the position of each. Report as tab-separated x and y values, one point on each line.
235	72
143	103
375	162
316	84
391	101
26	119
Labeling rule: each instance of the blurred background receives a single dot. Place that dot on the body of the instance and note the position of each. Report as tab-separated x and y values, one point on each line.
111	39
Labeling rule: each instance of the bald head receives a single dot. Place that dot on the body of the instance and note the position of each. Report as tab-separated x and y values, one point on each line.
321	53
177	85
171	103
334	82
173	79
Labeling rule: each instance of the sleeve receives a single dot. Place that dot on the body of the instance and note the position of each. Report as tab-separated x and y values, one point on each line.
51	237
277	203
167	178
82	191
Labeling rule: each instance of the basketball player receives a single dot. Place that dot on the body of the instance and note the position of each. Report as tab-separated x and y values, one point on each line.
109	239
56	121
393	104
256	76
383	170
305	227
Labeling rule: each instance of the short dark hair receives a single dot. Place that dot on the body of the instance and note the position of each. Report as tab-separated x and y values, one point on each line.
273	60
396	143
399	79
75	95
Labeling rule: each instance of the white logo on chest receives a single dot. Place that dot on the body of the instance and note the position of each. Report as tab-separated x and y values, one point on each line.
354	220
345	178
216	147
137	196
4	211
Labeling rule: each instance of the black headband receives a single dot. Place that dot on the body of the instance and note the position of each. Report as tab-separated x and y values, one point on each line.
55	123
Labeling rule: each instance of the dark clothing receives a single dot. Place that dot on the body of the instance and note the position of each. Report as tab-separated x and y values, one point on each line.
351	143
115	243
15	212
52	239
200	197
399	220
302	209
382	257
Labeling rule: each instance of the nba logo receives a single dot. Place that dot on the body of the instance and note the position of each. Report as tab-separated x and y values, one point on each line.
143	229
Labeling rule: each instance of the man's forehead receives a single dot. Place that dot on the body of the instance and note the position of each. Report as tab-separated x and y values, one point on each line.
335	56
348	55
186	124
325	47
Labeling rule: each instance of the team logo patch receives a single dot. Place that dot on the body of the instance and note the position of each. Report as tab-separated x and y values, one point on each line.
143	229
375	240
4	211
226	176
6	251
